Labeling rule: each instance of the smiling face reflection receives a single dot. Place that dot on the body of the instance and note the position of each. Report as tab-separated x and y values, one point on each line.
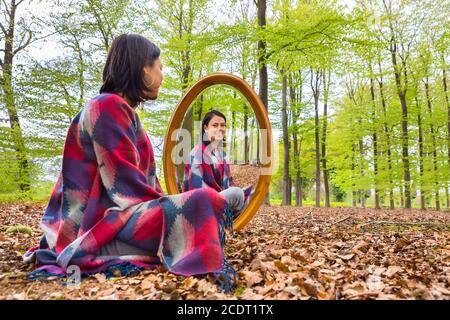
215	129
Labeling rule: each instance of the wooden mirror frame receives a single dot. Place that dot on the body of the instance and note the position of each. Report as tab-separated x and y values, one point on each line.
175	123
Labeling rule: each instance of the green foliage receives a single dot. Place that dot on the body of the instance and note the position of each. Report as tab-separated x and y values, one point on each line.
201	37
19	229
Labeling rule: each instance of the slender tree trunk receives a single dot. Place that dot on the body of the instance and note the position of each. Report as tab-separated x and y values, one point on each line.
233	136
286	144
375	142
251	138
362	193
433	140
444	82
401	91
315	86
261	7
295	101
353	168
187	125
185	27
405	154
298	181
200	108
258	133
326	86
402	192
388	139
246	145
421	171
447	197
289	197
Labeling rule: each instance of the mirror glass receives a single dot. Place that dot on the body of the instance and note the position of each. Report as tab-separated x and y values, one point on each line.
226	152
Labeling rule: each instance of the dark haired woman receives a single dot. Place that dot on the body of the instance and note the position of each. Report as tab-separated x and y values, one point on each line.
107	211
208	165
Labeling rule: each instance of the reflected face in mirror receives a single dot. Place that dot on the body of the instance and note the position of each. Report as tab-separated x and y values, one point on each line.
215	128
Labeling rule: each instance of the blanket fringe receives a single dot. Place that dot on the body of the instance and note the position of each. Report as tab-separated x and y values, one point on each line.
227	278
43	275
121	269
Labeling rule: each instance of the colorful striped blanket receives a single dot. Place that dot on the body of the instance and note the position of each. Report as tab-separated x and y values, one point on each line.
210	168
108	192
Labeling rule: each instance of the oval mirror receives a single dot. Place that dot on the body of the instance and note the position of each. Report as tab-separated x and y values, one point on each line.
247	141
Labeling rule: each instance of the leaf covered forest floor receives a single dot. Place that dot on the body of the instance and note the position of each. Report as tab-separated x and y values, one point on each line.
284	253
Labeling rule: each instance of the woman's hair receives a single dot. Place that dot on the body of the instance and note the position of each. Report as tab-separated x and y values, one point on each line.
124	67
206	119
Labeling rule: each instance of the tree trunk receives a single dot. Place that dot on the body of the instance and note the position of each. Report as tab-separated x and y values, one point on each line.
185	28
294	103
233	136
286	144
444	82
419	123
405	153
353	168
402	198
246	145
388	139
375	142
433	140
263	78
200	108
315	86
251	138
326	89
447	196
258	139
401	91
362	193
23	177
289	197
447	100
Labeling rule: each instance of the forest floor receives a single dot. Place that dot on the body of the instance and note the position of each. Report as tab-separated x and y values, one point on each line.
284	253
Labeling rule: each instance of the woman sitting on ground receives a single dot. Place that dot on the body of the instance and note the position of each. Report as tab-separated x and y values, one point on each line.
107	211
208	164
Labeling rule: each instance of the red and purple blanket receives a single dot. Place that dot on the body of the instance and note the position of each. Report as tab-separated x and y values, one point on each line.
210	168
107	208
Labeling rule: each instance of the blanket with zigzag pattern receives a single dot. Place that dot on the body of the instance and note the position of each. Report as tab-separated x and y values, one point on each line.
108	191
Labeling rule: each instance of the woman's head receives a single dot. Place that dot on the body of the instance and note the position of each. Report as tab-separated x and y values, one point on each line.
214	126
133	69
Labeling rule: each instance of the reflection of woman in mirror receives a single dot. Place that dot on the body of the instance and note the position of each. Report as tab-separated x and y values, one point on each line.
107	211
208	165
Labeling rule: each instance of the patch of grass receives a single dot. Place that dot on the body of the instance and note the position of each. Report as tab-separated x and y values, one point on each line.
239	291
38	194
405	228
311	203
275	201
19	229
